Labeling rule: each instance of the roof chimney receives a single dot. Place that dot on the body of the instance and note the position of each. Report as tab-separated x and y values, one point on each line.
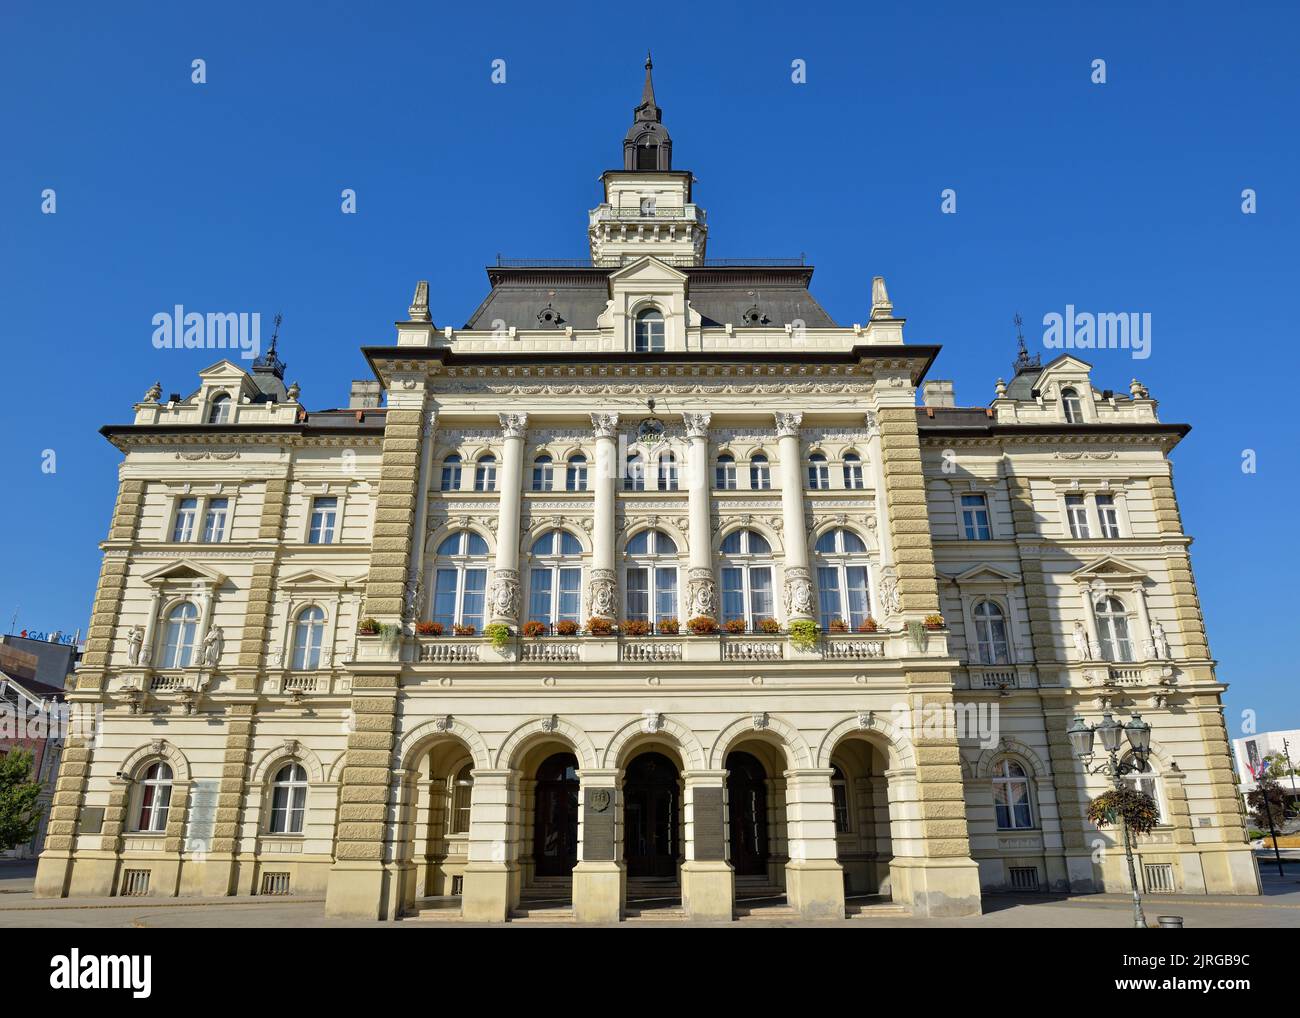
365	395
938	393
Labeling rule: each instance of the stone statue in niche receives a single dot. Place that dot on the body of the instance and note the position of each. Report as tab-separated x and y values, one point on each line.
134	642
212	646
1082	645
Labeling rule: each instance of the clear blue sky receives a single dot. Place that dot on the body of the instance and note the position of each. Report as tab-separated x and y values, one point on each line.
225	196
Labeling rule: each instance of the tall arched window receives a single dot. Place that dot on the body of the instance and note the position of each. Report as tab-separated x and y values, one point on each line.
451	473
543	473
819	472
650	331
760	472
991	634
460	580
485	473
724	474
842	590
308	636
288	799
1011	799
555	585
667	472
651	577
575	476
462	788
179	634
1112	630
220	410
746	577
155	798
1072	406
634	477
853	471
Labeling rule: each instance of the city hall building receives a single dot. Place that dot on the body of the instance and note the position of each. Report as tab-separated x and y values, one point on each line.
651	585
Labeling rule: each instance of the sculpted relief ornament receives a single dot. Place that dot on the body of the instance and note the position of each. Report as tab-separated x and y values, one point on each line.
787	424
697	425
605	425
504	595
888	592
701	593
798	593
1082	644
513	425
602	594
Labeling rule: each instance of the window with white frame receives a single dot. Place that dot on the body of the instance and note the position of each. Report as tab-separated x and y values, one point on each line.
975	518
214	520
650	331
842	586
155	798
1108	515
746	577
668	472
1147	781
460	580
308	638
462	789
485	473
634	476
187	511
819	472
451	469
324	520
1076	514
1071	406
555	580
724	473
1011	800
650	578
180	631
543	473
991	642
289	799
1112	630
219	413
760	472
853	471
575	474
840	799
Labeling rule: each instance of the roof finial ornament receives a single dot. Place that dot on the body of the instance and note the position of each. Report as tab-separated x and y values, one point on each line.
419	309
269	361
1023	361
880	305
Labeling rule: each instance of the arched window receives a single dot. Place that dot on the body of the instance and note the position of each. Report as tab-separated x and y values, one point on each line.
651	577
1146	781
991	634
155	798
853	471
575	476
650	332
1072	406
1011	799
842	588
840	799
724	474
451	473
485	473
308	635
179	634
819	472
760	473
543	473
219	413
288	799
460	580
1112	630
746	577
667	472
462	787
555	585
634	478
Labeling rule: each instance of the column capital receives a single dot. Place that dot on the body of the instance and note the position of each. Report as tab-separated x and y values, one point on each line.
697	425
787	423
514	425
605	424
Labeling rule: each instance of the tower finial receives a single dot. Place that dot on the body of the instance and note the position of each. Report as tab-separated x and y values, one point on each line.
648	92
1023	361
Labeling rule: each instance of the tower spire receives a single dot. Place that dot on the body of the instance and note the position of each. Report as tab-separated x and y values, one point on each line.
648	93
647	145
1023	361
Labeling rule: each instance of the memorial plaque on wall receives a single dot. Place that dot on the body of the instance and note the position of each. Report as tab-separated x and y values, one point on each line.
598	825
91	820
707	807
202	815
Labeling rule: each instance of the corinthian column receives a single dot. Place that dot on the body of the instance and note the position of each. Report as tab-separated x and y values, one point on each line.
701	587
798	579
504	595
602	586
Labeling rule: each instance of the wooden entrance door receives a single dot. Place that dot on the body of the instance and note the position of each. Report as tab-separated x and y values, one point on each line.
747	796
555	827
650	816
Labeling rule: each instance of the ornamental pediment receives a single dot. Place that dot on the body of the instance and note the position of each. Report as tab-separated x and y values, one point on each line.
985	573
181	572
314	578
1109	568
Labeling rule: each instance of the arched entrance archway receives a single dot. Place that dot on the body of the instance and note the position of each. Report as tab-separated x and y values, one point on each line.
747	805
651	812
555	823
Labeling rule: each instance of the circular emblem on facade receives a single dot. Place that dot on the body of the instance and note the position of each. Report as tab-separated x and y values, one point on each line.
650	432
600	799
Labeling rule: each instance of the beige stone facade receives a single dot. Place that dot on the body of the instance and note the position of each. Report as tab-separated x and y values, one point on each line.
648	437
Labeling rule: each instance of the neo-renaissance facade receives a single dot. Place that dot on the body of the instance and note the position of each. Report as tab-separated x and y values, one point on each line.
459	640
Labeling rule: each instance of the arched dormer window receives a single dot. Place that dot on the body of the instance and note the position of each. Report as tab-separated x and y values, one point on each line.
180	632
650	331
555	579
1011	800
221	409
760	472
991	642
843	597
543	473
155	798
819	472
308	636
1071	406
289	799
853	471
724	474
651	577
746	578
460	580
485	473
451	473
575	474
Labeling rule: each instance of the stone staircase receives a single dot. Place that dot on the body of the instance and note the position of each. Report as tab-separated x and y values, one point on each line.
545	900
435	910
874	906
654	899
758	898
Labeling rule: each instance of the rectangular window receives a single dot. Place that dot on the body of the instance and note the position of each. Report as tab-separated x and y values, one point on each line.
760	594
444	598
570	601
1108	514
539	596
638	594
859	600
733	594
828	595
324	513
665	593
975	518
214	524
1011	802
474	598
840	793
186	511
1076	512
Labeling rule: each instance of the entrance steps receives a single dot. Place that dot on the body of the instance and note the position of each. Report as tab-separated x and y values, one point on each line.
436	910
874	906
545	900
757	897
654	899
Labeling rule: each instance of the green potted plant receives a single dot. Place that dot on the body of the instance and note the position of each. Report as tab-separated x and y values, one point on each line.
702	625
804	633
427	628
669	627
769	626
533	629
498	633
637	627
598	626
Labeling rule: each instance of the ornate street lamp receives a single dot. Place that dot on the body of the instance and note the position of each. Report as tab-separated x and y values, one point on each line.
1112	733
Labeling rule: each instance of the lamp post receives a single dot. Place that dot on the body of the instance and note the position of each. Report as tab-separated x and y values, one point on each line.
1112	735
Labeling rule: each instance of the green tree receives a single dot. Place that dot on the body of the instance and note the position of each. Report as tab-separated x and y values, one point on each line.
19	813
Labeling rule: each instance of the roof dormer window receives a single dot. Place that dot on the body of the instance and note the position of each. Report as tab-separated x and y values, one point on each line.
650	331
